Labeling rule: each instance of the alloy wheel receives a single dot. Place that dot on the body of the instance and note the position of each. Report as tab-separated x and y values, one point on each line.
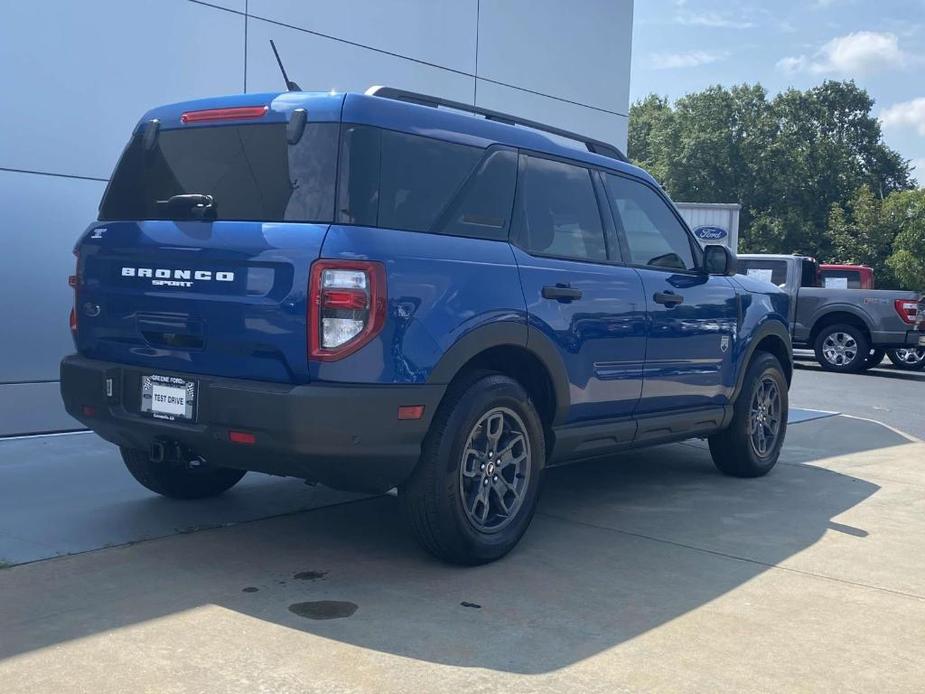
764	419
495	470
840	349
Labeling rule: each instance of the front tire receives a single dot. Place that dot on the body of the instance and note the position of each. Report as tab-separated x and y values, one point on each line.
476	487
908	359
179	480
751	445
842	348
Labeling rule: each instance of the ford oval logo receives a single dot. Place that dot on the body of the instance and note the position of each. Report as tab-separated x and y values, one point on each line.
710	233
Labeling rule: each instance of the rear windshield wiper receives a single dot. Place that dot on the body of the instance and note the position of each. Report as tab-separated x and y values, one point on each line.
195	205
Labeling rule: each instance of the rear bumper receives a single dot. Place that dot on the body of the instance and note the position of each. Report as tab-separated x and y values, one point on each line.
344	436
888	340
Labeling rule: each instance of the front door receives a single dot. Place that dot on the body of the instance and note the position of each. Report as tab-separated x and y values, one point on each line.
692	316
591	307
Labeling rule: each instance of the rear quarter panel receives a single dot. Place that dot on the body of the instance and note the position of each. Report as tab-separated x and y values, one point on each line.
440	288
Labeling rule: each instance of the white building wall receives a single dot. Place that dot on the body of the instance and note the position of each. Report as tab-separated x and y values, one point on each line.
75	77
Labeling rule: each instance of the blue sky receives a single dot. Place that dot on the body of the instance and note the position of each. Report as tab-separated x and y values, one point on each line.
680	46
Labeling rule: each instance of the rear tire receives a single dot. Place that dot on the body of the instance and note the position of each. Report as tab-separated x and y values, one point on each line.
760	414
911	359
463	505
842	348
178	480
873	359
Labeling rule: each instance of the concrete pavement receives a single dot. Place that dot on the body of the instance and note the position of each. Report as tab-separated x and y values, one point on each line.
645	572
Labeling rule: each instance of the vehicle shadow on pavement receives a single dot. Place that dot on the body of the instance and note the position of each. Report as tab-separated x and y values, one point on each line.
618	547
884	371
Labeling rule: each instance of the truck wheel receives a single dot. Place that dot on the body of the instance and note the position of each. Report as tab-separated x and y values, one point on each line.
842	348
751	444
475	489
179	480
908	359
873	359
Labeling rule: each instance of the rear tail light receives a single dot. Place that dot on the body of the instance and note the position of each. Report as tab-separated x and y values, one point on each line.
346	307
907	310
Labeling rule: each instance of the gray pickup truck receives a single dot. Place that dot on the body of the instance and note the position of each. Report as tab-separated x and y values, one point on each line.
849	329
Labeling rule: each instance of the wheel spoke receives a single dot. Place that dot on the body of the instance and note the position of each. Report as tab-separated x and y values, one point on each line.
494	427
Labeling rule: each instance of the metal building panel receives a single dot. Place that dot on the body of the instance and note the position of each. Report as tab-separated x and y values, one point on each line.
591	122
43	216
573	50
86	71
320	64
441	32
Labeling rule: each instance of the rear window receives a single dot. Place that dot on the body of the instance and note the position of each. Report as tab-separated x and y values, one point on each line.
773	271
841	279
250	170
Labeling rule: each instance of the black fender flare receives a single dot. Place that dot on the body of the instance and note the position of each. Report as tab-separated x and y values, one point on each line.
504	333
829	309
766	329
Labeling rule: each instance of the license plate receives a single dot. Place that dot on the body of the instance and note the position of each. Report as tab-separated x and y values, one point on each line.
168	397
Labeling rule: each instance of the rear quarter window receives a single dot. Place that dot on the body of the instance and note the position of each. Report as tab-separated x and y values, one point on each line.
400	181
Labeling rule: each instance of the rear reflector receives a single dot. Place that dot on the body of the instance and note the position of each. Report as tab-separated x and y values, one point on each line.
88	411
243	437
410	411
238	113
72	320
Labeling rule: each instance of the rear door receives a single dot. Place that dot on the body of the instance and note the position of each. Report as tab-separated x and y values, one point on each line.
215	290
691	316
577	292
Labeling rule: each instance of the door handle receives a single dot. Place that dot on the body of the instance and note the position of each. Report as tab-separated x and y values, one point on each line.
561	292
669	299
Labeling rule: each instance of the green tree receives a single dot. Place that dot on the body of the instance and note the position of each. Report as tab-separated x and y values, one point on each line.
905	212
786	160
861	233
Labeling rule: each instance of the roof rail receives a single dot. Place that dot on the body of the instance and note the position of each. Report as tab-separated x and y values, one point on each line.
595	146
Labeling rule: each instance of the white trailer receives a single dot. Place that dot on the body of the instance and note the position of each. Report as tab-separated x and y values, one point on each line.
712	222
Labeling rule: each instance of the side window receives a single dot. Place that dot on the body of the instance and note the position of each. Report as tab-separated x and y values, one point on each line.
654	235
400	181
773	271
483	207
557	211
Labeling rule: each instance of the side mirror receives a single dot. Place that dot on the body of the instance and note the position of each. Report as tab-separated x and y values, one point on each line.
719	260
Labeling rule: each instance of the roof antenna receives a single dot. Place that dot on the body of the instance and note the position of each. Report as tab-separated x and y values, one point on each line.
290	85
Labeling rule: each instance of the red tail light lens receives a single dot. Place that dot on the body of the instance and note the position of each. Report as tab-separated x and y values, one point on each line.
346	307
212	114
907	310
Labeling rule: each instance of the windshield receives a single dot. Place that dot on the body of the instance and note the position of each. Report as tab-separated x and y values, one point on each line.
250	171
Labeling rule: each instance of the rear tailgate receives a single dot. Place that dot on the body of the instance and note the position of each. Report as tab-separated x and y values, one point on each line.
223	298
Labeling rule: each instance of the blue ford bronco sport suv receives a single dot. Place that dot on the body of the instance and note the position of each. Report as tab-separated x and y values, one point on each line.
392	290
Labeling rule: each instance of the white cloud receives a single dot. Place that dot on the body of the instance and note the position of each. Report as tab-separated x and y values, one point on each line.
712	19
906	114
861	52
671	61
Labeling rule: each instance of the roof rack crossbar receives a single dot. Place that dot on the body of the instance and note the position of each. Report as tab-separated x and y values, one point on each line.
594	146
